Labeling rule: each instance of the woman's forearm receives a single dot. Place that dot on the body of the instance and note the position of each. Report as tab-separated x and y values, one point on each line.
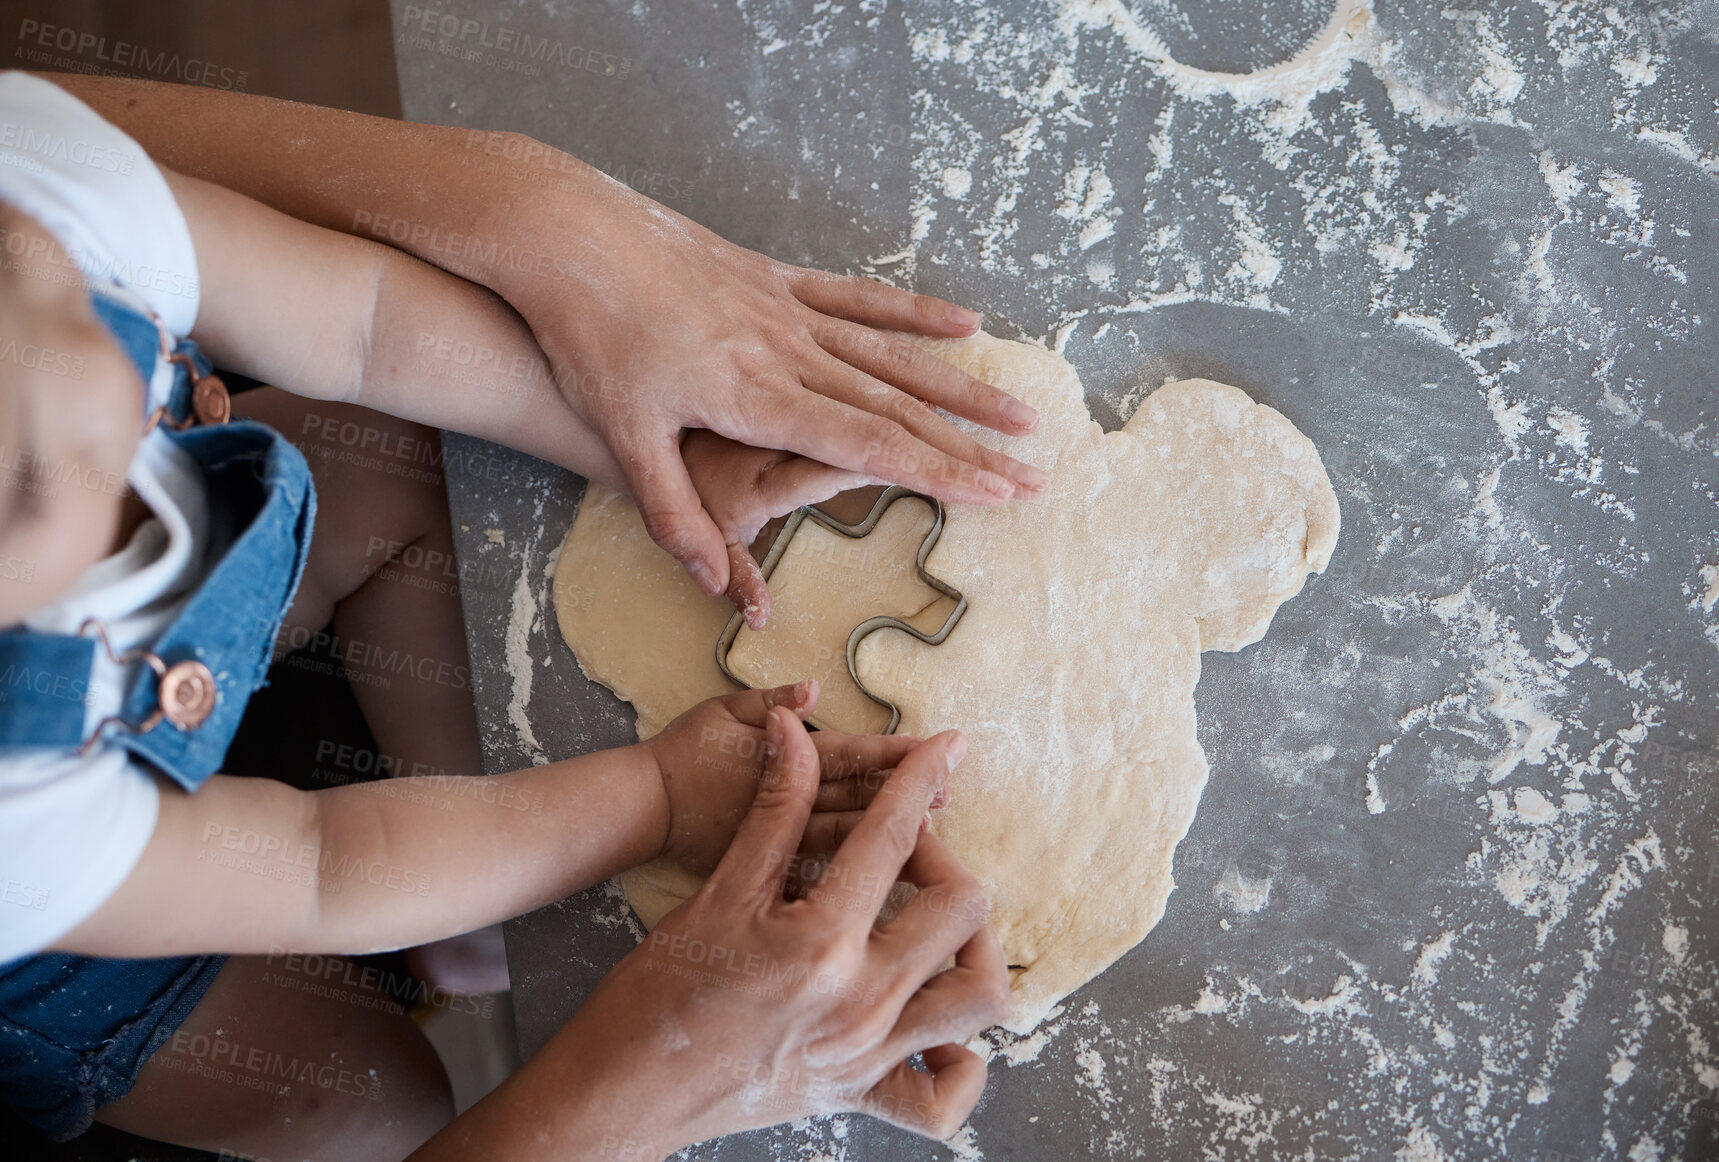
447	195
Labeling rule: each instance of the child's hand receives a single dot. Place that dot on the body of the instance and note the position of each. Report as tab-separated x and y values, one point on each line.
742	488
712	758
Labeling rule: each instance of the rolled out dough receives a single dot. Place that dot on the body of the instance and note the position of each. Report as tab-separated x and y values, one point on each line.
1074	668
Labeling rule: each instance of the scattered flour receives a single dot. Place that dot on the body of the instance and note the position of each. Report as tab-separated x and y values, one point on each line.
1241	894
1432	954
1311	197
522	616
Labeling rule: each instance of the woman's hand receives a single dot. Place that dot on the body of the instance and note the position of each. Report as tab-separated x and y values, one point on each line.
655	326
745	1008
713	758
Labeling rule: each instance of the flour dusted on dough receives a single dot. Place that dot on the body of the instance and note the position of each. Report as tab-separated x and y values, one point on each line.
1073	671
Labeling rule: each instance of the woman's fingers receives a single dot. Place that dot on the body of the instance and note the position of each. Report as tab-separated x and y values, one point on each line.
868	301
957	1003
674	516
849	756
757	861
870	861
923	375
858	439
949	907
857	792
841	381
934	1102
826	831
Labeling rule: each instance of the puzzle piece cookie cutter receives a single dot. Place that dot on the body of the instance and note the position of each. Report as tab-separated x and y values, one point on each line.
779	548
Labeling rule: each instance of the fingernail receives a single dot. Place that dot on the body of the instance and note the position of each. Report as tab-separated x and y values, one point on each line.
955	750
1000	486
773	732
704	577
941	799
802	691
1030	477
925	823
961	316
1020	415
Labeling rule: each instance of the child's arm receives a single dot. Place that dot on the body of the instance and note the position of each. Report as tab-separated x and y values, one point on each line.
325	315
251	866
331	317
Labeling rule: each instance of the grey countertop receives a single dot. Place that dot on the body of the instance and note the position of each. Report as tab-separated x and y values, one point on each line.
1446	894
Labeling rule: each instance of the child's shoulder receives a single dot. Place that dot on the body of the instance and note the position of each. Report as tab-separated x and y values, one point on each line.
98	192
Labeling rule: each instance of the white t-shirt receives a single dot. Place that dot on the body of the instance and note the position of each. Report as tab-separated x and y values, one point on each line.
71	828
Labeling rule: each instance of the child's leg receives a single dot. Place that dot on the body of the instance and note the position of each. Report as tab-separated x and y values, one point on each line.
381	564
284	1058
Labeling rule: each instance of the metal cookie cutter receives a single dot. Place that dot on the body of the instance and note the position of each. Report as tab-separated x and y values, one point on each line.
779	548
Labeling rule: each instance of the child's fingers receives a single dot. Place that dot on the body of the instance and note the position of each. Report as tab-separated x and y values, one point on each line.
884	840
848	794
857	766
797	481
752	707
746	587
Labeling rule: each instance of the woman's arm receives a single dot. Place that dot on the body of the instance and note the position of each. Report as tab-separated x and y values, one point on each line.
617	289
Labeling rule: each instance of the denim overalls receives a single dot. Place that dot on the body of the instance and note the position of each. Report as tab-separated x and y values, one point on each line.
75	1030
